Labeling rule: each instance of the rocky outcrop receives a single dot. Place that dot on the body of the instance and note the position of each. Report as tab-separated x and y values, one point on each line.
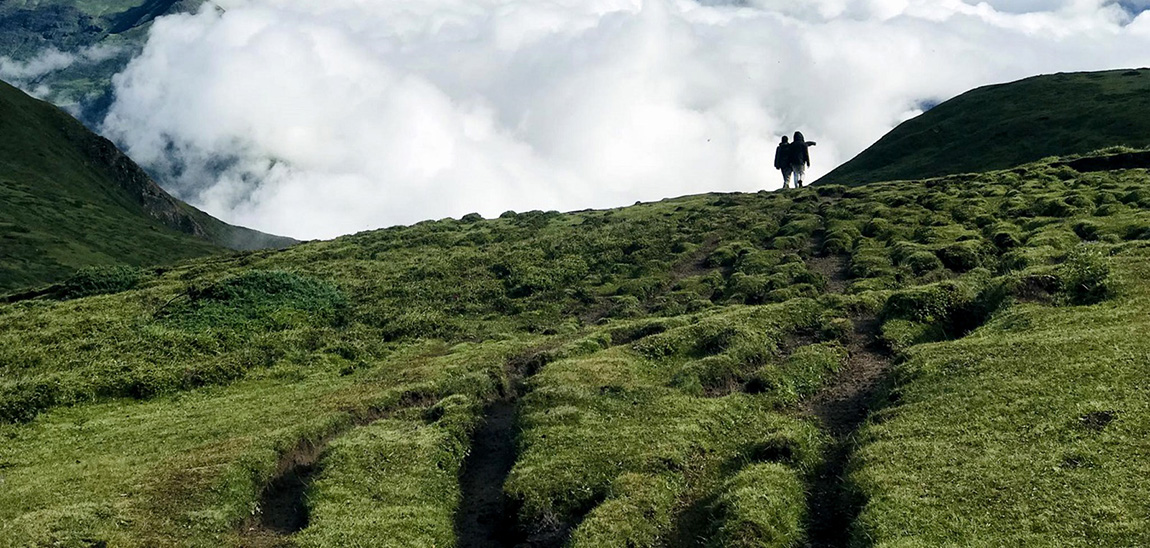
157	203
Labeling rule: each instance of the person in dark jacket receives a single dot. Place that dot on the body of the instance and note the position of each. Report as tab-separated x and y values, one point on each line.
783	161
800	157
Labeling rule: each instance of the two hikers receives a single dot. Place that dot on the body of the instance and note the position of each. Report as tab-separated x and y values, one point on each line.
793	158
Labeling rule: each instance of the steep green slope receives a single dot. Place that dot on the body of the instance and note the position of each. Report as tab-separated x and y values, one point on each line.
667	374
69	199
996	127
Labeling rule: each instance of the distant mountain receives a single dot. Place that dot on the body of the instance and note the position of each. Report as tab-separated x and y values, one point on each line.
69	199
70	49
1000	126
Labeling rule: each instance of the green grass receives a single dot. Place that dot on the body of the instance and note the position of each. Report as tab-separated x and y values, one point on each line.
668	348
189	467
633	426
411	470
1030	431
763	505
1001	126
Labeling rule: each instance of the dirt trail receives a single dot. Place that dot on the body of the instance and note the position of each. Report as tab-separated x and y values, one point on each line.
843	405
841	408
485	517
283	505
834	269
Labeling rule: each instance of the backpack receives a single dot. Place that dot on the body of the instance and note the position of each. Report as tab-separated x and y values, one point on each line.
782	156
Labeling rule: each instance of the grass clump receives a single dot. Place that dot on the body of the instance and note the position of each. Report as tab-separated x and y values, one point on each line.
639	510
900	334
800	374
718	353
840	239
260	299
923	262
870	262
940	303
809	366
963	256
592	448
98	280
1006	236
414	490
1086	276
762	506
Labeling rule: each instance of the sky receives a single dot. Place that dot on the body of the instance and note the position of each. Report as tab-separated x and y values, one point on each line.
315	119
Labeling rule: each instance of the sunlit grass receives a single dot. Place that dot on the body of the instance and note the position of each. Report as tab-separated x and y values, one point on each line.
666	348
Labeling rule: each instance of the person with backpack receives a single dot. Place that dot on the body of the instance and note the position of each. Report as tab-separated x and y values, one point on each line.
783	161
800	157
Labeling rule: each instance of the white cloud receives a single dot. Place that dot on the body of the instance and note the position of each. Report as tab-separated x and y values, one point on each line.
314	119
51	60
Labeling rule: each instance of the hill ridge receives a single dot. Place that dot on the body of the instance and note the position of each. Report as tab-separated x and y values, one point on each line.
71	199
1004	125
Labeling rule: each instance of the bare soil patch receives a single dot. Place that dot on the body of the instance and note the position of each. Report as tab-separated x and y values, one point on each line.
841	408
486	517
283	505
834	269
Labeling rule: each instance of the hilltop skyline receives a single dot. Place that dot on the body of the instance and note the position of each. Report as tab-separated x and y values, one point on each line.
318	120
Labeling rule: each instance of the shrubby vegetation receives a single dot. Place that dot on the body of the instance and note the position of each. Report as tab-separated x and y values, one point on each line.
662	352
258	300
96	280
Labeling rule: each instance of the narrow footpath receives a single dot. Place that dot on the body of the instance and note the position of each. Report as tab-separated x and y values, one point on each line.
283	506
841	408
485	517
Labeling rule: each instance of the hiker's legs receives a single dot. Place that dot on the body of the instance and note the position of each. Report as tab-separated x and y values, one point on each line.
786	178
800	171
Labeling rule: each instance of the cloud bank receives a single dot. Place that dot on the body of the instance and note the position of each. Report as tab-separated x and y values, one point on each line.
26	73
314	119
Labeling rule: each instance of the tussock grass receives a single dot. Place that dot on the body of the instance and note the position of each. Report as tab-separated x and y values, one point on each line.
661	352
621	433
996	439
409	469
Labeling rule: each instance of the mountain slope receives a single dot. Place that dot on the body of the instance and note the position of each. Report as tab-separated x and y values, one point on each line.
693	372
1000	126
69	199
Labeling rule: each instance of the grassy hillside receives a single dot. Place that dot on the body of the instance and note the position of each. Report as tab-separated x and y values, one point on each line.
69	199
997	127
693	372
